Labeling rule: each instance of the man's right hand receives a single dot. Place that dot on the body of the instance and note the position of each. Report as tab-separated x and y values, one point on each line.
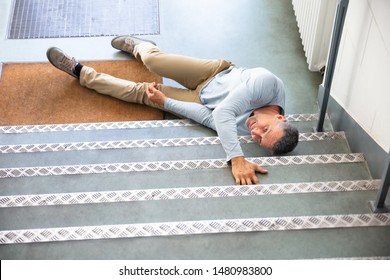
244	172
155	95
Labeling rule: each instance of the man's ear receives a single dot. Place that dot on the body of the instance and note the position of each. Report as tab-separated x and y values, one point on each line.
281	118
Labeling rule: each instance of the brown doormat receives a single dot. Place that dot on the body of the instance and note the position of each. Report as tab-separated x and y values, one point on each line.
41	94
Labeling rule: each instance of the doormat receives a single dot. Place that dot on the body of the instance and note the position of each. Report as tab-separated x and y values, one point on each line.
38	93
33	19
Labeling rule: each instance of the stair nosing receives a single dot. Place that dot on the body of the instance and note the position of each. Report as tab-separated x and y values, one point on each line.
15	172
153	194
122	125
194	228
147	143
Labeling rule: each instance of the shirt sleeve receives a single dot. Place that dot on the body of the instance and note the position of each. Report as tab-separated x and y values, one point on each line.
225	119
223	115
194	111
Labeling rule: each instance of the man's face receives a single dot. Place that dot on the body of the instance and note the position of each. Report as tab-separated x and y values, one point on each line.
265	130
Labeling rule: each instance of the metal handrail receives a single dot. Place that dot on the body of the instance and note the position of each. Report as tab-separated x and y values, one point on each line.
341	11
377	206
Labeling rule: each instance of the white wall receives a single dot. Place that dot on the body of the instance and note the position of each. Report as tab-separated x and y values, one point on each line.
361	82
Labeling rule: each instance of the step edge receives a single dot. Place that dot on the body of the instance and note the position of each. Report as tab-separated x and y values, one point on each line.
122	125
147	143
14	172
194	228
176	193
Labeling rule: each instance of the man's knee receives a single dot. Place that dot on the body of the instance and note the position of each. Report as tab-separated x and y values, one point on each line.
146	53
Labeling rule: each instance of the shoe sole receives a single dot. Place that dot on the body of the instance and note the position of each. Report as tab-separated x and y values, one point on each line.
48	54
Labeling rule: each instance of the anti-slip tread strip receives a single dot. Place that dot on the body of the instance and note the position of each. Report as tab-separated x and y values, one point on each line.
124	125
147	143
53	199
95	126
193	227
173	165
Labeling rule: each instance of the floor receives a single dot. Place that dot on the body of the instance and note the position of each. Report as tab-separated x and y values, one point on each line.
234	34
250	33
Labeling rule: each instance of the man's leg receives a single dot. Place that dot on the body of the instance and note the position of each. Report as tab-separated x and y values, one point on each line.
118	88
190	72
130	91
187	71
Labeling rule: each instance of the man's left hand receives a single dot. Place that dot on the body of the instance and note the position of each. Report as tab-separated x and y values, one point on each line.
244	172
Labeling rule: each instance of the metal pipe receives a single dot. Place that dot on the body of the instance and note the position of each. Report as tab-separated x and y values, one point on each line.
341	11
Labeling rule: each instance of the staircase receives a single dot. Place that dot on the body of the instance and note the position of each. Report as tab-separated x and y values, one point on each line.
162	190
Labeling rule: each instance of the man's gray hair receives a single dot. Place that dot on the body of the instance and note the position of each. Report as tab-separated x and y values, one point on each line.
288	141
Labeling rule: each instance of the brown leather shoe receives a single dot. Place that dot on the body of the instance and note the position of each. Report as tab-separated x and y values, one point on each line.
127	43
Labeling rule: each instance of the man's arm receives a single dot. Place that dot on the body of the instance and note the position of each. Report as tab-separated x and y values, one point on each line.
244	172
225	116
194	111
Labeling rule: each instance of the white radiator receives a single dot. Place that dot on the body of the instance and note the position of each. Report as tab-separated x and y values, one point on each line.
315	21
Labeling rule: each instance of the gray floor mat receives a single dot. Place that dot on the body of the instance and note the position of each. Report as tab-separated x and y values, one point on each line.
32	19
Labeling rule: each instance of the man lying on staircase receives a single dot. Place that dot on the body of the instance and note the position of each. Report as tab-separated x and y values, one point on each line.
228	99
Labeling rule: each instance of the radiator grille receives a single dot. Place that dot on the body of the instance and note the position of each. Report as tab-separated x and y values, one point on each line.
315	22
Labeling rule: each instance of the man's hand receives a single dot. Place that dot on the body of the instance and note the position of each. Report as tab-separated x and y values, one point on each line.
155	95
244	172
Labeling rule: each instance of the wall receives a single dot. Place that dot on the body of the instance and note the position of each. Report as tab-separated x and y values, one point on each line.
361	82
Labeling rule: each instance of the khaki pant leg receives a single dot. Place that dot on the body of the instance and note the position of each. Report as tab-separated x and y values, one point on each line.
130	91
187	71
118	88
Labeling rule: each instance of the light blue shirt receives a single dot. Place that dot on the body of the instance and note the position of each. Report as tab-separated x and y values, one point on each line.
228	100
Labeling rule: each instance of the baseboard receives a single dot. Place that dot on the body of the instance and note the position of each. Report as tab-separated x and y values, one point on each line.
359	140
